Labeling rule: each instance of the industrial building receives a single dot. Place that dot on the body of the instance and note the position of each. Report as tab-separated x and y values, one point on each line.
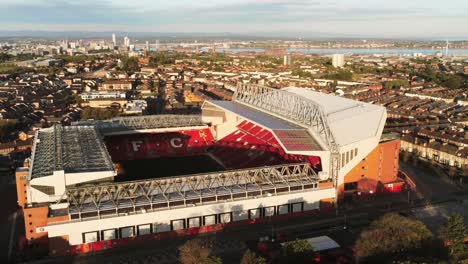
278	153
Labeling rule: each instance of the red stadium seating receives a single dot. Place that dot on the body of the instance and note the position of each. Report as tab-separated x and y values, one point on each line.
153	145
251	146
248	146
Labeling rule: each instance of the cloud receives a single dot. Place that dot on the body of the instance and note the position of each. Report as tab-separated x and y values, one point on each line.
378	17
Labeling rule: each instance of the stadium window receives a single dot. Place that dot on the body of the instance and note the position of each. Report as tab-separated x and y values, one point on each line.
351	154
254	213
109	234
283	209
178	224
128	231
240	215
347	157
194	222
225	218
350	186
90	237
342	159
158	227
144	229
269	211
355	152
297	207
209	220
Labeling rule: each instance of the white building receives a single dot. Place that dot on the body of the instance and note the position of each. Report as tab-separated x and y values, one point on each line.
127	42
114	41
287	59
338	60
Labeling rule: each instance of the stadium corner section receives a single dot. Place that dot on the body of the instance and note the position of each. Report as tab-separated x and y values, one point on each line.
276	168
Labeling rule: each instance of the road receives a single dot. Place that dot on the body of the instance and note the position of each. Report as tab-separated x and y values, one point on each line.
429	185
10	220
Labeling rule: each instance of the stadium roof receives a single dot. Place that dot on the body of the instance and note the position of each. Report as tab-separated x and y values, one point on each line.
256	116
73	149
160	193
126	124
292	136
349	120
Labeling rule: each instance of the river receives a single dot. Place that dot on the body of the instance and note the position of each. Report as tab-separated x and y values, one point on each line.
354	51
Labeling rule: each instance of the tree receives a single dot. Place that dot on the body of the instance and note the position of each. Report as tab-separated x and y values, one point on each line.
456	233
341	75
298	251
6	129
395	235
5	57
98	113
195	251
250	257
452	81
130	64
395	84
213	260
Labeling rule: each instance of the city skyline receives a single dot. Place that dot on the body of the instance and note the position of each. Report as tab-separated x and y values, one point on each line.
299	18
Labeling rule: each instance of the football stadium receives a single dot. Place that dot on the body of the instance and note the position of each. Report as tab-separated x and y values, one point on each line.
267	154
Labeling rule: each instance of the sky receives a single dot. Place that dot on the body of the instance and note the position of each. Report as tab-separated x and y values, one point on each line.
301	18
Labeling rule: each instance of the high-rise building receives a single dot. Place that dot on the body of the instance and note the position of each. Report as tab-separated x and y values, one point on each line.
114	40
287	59
157	45
338	60
147	46
127	42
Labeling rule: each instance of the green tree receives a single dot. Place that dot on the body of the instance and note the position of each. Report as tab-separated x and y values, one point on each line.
451	81
298	251
302	74
341	75
395	84
130	64
250	257
5	57
11	69
98	113
395	235
195	251
213	260
456	233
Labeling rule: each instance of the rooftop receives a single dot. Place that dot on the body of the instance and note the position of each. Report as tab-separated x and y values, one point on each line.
349	120
122	124
293	137
73	149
